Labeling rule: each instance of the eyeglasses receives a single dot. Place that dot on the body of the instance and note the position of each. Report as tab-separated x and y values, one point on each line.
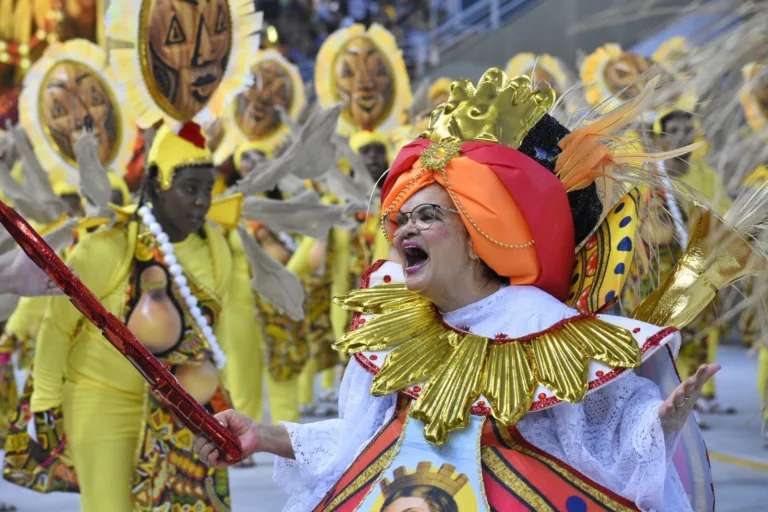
423	216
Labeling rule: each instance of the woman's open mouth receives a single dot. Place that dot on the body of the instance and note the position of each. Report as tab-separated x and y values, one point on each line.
415	257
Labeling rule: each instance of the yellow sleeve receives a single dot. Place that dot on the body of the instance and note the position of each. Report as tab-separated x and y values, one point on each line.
25	321
300	263
341	281
240	335
94	260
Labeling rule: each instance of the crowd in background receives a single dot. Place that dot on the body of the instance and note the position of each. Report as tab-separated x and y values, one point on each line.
303	25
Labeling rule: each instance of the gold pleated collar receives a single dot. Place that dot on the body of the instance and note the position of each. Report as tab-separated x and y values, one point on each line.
400	337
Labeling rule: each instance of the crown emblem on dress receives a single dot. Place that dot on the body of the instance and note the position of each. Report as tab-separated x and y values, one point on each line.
499	109
443	479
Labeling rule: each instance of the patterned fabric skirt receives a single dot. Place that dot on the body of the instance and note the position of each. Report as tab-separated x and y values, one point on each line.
168	476
318	322
41	466
287	345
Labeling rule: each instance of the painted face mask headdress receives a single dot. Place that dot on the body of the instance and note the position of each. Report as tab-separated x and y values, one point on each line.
70	81
181	60
545	71
365	72
252	116
612	76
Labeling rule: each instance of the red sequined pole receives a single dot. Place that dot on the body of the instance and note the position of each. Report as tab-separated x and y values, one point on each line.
162	381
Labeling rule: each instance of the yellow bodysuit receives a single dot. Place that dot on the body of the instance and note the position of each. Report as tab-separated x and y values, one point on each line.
102	396
705	181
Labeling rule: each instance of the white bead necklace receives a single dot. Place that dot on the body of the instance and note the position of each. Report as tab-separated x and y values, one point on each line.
177	273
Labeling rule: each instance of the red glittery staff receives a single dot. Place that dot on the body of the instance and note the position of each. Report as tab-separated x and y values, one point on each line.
162	381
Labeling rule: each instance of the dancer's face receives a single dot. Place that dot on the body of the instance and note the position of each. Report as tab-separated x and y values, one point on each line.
375	158
184	206
435	255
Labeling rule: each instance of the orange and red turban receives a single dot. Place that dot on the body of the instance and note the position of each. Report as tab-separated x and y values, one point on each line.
515	209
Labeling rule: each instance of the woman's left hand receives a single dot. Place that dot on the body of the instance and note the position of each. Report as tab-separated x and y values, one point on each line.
675	410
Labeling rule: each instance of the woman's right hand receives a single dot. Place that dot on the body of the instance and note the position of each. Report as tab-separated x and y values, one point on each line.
243	427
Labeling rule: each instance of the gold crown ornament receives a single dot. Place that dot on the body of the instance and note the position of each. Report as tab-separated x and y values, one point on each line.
754	96
179	60
250	115
444	479
499	110
72	80
365	72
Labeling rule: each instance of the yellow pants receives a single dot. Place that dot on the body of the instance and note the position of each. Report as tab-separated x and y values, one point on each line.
762	379
244	377
696	353
307	381
103	428
283	397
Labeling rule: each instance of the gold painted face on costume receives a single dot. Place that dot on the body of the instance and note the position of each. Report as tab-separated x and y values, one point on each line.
256	114
364	83
625	71
69	92
189	42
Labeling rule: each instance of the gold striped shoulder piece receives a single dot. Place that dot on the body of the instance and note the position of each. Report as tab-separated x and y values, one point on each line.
451	370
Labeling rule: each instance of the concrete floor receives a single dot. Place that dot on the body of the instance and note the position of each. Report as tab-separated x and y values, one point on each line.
739	461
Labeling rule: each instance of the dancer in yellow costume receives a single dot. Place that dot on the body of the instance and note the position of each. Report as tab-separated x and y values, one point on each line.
364	71
754	101
347	256
177	281
283	342
253	131
22	327
71	80
604	88
674	129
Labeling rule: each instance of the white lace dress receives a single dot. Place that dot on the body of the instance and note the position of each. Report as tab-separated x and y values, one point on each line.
614	436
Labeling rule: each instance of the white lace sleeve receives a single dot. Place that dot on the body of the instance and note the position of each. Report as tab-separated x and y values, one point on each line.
615	438
324	450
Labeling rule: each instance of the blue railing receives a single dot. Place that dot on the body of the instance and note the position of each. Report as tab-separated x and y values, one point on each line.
468	17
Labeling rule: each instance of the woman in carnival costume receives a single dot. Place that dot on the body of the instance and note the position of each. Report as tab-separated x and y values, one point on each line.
493	362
